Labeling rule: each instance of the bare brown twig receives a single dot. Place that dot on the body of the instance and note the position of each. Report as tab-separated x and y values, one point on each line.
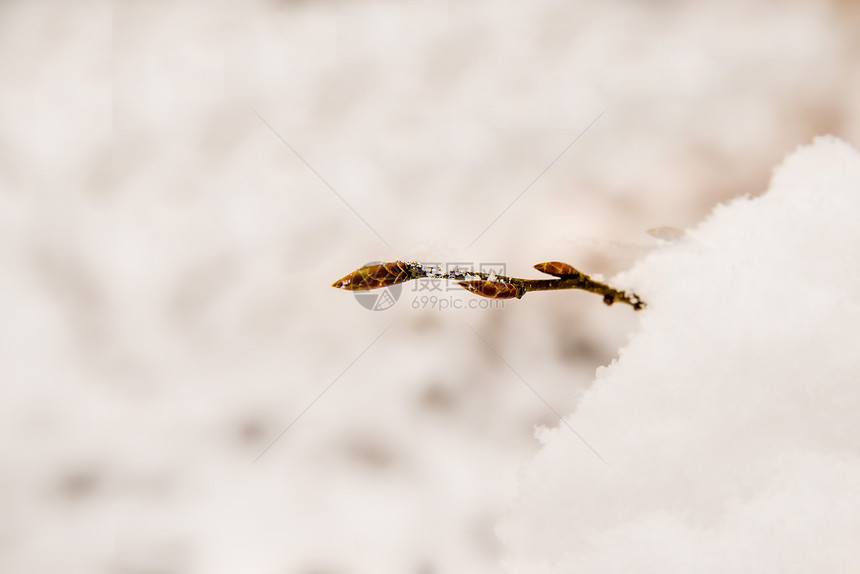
486	284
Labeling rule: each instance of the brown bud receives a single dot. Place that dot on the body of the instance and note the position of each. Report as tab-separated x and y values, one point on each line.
491	289
375	276
558	269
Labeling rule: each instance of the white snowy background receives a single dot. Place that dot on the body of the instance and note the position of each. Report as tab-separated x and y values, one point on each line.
179	184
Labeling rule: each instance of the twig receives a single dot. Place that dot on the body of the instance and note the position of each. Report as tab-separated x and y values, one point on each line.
486	284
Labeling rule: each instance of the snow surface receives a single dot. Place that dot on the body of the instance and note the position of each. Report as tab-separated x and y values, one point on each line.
730	420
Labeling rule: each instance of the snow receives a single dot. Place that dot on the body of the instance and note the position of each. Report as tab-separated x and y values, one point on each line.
729	420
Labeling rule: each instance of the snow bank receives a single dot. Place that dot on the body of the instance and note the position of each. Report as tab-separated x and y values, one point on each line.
730	421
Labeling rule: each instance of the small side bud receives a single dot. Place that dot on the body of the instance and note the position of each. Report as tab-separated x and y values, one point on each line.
375	276
558	269
491	289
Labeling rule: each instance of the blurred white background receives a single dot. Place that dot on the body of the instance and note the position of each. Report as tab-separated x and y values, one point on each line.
180	184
